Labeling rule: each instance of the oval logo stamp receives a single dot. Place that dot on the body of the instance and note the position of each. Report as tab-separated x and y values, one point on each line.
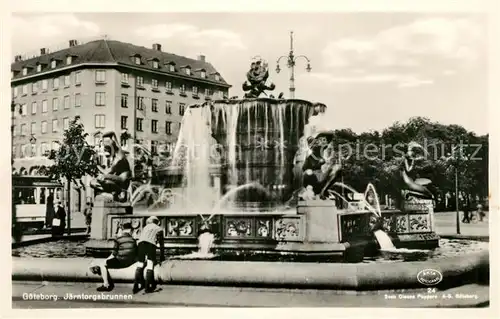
429	277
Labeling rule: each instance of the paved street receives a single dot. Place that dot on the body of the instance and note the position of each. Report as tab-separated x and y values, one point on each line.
179	296
446	225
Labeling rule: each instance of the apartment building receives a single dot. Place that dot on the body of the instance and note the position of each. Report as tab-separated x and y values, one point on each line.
111	86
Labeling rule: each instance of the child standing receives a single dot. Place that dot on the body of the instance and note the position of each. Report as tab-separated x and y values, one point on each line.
151	234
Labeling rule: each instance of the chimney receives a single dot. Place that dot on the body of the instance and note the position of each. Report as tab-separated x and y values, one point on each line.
201	58
43	51
73	43
156	46
18	58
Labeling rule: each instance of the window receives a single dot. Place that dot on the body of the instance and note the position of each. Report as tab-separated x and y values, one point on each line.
23	151
44	106
182	108
188	71
78	79
168	86
45	85
208	92
78	100
154	126
25	71
33	128
154	147
34	87
24	129
66	102
55	126
33	107
44	127
217	77
168	127
65	123
137	60
224	95
44	148
53	64
182	88
25	89
55	145
39	68
168	107
33	150
55	104
155	64
69	59
154	83
154	105
100	98
140	81
100	76
124	122
171	68
195	90
140	103
138	124
124	100
100	121
125	78
67	81
203	74
55	83
24	109
16	91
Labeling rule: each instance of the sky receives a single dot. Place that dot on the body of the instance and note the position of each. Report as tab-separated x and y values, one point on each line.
370	69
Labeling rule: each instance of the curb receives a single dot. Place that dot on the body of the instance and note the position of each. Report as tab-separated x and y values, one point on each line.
48	239
365	277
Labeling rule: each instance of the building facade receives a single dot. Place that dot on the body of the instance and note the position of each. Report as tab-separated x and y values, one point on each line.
111	86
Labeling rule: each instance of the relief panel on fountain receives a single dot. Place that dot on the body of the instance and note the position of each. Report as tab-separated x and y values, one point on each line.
238	227
354	226
116	223
180	227
395	222
289	229
419	223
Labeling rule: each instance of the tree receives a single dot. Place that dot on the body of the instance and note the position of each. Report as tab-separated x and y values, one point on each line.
74	159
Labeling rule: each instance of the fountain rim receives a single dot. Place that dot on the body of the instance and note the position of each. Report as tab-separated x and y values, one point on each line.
262	99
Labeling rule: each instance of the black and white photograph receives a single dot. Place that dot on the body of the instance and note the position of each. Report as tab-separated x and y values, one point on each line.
250	159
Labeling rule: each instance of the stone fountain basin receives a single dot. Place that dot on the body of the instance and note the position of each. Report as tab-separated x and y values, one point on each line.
456	271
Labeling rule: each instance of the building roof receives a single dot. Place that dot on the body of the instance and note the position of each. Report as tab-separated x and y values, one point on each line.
112	51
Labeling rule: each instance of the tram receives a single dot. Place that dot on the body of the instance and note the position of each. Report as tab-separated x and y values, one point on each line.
29	198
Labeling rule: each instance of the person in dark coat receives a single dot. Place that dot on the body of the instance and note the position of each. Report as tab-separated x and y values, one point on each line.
50	211
124	255
58	230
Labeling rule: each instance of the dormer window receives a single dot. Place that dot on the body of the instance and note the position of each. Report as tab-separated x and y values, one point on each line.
188	71
171	68
39	68
136	59
53	64
156	65
203	74
69	59
25	71
217	77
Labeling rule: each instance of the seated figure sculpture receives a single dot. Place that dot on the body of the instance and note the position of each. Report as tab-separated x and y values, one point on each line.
413	188
319	169
116	179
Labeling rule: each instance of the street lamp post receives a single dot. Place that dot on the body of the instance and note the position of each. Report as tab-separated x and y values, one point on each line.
16	231
291	62
456	200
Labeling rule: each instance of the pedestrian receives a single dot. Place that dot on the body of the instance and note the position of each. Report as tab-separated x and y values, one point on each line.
59	220
123	256
49	211
151	234
466	217
87	212
480	212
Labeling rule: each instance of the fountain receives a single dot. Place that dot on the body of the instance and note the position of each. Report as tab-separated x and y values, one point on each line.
231	191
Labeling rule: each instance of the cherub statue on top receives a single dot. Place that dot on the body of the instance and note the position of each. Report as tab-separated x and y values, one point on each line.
114	179
256	80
